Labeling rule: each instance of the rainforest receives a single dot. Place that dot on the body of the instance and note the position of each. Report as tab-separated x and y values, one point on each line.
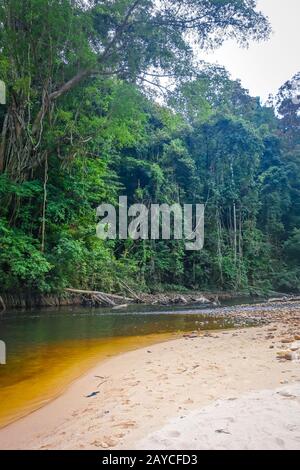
106	99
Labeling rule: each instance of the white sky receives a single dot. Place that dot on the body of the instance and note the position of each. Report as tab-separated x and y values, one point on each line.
265	66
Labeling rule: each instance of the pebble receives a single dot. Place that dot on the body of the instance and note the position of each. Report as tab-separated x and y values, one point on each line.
287	355
287	340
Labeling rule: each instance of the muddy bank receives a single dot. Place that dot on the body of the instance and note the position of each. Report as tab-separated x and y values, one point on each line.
26	301
30	301
73	297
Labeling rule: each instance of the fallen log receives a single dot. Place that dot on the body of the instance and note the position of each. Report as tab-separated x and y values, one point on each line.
102	300
105	299
120	307
97	293
130	291
285	299
202	300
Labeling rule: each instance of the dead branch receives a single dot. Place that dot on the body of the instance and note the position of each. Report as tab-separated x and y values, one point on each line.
90	292
130	291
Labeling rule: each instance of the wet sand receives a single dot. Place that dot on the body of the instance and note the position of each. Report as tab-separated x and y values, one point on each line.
124	402
49	370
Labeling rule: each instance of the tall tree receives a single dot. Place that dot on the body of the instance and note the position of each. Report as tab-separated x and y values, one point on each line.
50	46
287	103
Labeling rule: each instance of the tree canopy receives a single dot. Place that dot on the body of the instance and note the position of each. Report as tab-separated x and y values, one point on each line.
80	128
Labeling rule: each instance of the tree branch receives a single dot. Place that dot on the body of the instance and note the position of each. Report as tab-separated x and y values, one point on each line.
81	75
84	73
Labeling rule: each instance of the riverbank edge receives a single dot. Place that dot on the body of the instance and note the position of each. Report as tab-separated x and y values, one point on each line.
40	301
75	416
148	341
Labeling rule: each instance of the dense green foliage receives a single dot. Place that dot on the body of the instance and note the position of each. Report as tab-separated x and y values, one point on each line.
80	128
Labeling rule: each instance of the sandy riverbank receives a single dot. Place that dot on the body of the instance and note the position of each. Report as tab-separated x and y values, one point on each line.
266	419
170	387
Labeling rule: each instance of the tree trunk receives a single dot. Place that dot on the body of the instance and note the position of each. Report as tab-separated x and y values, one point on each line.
219	246
234	234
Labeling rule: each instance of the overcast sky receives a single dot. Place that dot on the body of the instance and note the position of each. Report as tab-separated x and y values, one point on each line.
265	66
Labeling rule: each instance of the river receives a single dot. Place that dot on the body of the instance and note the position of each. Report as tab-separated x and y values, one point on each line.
48	349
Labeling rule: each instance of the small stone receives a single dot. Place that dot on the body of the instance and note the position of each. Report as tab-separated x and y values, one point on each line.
107	443
287	340
191	336
287	355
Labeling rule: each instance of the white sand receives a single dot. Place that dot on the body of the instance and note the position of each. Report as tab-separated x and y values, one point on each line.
265	420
